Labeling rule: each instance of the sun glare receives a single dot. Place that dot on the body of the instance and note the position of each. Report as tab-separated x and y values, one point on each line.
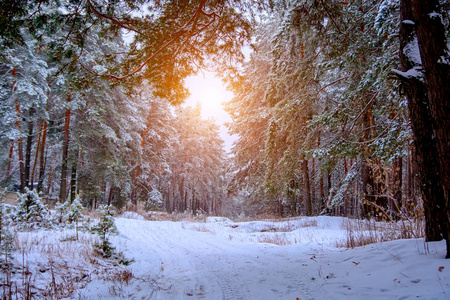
209	90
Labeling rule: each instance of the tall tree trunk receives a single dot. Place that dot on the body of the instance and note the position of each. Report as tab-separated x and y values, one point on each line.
367	174
313	185
28	148
306	187
425	148
321	181
397	182
36	157
20	152
435	61
63	184
73	180
42	157
136	174
345	195
11	151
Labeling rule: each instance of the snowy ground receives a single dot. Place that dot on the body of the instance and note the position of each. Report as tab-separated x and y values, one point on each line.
226	260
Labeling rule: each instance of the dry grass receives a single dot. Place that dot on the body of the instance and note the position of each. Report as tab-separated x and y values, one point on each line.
43	267
52	265
199	227
364	232
276	239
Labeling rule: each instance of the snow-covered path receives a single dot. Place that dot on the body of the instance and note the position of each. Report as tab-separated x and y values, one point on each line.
176	260
198	265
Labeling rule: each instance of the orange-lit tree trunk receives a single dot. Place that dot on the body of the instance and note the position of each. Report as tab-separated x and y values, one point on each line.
63	184
42	157
11	151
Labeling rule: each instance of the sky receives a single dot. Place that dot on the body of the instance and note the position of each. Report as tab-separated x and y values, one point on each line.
210	92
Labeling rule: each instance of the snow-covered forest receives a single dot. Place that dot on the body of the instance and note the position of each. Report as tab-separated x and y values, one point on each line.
341	117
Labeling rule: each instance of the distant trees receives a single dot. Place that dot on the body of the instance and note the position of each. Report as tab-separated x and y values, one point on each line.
84	111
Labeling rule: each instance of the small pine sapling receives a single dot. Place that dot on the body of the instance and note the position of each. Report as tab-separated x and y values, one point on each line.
31	212
61	211
74	213
104	229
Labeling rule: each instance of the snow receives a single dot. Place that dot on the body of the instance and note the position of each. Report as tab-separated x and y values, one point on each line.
132	215
410	74
408	22
435	15
220	259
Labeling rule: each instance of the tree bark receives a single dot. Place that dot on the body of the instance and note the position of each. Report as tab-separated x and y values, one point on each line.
20	153
63	184
73	180
313	184
367	174
397	182
426	150
42	157
28	148
306	187
36	157
11	151
436	65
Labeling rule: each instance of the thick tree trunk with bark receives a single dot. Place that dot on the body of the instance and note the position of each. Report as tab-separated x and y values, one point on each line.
436	65
428	103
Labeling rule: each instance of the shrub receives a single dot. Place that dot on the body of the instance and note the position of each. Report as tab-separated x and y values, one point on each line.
31	212
104	228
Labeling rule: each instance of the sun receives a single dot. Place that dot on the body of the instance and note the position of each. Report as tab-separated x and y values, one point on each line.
210	92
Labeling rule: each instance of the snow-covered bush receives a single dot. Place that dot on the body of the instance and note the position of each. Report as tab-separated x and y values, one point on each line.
31	212
61	210
75	209
6	236
154	201
104	228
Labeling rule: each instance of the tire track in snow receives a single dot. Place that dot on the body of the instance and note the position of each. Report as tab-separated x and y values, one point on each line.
198	265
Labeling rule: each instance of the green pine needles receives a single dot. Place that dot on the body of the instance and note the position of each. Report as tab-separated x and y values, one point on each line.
105	228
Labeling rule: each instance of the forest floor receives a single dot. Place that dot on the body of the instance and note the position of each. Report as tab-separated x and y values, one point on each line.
291	259
299	258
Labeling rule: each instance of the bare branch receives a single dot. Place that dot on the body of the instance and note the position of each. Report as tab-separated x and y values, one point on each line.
361	113
111	18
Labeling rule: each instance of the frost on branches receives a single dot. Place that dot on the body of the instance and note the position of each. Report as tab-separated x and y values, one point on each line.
31	213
